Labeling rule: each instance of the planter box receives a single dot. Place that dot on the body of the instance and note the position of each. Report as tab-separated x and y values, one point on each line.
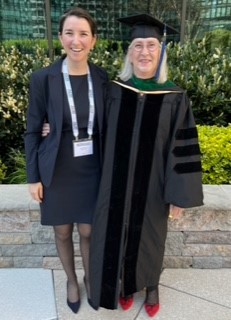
200	239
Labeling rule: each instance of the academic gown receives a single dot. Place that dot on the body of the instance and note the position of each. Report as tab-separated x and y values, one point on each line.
152	160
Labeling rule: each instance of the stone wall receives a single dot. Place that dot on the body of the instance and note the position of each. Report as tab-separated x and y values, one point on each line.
201	239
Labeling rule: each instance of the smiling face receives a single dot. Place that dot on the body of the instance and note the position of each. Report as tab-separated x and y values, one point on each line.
144	54
77	39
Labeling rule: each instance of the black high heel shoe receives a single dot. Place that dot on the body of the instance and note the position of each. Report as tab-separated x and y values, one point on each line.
88	298
74	306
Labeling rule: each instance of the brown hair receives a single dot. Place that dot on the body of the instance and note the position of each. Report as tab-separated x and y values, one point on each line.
80	13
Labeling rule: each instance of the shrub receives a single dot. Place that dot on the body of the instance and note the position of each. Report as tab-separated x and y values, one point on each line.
17	160
27	46
15	70
215	144
109	55
199	67
205	72
2	171
219	38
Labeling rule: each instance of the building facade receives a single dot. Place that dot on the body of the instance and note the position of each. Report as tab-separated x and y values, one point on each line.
216	14
23	19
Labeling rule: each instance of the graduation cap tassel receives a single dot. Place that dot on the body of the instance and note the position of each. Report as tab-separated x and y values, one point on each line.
163	49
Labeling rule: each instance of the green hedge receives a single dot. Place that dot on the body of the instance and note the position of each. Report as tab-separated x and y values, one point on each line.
2	171
15	70
215	145
199	67
205	72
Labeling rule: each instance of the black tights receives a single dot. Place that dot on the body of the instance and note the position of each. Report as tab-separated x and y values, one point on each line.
65	248
152	295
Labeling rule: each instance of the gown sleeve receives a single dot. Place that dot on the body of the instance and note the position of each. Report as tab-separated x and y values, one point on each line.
183	176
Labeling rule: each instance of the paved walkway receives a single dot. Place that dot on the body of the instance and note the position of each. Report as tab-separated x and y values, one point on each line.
185	294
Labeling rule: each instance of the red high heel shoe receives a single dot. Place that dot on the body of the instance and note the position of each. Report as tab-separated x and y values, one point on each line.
151	309
126	302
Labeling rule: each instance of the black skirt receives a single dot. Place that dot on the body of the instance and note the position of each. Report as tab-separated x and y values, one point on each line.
72	195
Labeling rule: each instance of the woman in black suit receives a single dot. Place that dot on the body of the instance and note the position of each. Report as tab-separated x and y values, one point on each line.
63	168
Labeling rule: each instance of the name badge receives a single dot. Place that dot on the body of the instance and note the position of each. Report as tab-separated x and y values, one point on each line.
82	148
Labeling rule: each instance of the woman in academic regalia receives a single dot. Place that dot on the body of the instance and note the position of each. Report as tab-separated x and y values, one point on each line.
151	171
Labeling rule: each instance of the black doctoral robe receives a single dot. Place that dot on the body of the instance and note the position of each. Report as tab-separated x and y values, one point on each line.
152	159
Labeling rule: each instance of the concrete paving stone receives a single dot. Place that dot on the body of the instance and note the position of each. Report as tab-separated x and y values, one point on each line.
14	197
27	294
175	305
183	296
85	311
217	196
213	285
226	188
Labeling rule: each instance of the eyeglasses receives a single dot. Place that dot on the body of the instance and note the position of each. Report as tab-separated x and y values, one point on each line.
152	46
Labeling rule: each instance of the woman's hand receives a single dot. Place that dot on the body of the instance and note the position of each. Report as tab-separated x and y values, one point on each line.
175	212
36	191
45	129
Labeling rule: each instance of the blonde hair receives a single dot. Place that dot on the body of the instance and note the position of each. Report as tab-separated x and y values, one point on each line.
127	69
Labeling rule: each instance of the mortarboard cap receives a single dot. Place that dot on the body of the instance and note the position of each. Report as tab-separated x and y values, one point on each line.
146	26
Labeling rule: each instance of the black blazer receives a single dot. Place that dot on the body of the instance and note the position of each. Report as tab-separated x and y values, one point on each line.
45	103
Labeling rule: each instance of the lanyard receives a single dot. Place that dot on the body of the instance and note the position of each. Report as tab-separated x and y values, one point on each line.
74	119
